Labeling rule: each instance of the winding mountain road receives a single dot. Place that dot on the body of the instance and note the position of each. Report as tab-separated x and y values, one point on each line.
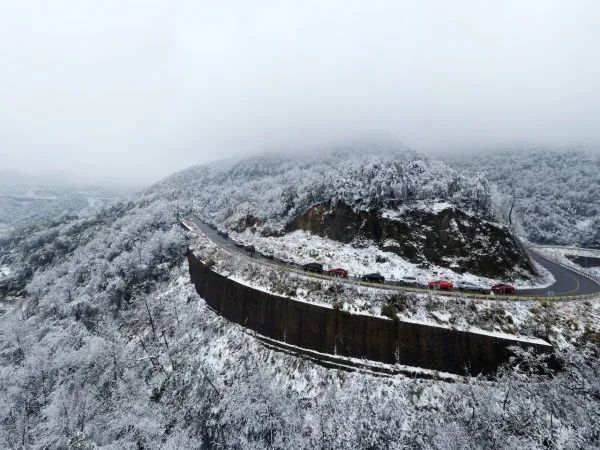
568	282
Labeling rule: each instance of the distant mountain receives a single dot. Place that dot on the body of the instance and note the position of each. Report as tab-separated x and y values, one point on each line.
556	194
26	199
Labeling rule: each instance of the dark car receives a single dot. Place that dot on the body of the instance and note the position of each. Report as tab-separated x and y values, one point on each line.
373	278
250	249
503	288
341	273
313	267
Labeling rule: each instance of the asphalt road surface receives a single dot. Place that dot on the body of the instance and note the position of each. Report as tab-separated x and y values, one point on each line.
567	282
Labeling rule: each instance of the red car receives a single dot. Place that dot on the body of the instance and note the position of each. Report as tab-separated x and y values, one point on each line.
504	288
341	273
441	285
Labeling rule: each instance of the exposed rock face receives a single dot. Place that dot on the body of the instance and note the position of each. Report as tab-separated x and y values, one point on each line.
447	237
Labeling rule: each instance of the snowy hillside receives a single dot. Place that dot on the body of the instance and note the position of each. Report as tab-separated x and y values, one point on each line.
410	205
110	347
301	247
274	188
556	194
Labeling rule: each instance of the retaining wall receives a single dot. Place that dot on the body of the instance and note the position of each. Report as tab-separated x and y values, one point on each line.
328	330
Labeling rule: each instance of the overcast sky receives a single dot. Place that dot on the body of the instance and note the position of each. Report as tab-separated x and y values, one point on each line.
132	90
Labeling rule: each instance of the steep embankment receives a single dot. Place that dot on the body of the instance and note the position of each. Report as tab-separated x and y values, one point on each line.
439	234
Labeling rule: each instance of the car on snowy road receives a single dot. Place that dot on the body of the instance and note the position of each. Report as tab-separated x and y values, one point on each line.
409	281
466	286
267	254
340	273
503	288
441	285
373	278
313	267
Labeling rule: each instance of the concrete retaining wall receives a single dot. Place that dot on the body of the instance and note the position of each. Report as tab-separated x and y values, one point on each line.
328	330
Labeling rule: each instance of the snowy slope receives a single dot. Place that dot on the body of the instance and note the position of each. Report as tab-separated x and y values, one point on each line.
274	193
556	194
274	188
112	348
301	247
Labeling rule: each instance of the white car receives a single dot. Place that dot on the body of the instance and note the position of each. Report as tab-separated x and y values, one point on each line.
267	254
409	281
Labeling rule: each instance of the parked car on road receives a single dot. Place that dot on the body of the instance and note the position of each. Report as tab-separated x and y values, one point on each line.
313	267
267	255
341	273
373	278
287	260
443	285
238	243
466	286
503	288
250	249
409	281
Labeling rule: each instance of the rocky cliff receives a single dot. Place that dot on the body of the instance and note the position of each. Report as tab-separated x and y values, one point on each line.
439	234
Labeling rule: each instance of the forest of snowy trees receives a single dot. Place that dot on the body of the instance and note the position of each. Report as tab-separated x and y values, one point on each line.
113	348
108	346
555	194
274	188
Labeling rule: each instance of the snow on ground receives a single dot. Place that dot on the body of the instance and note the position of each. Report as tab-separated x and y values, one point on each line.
4	271
301	247
432	207
4	229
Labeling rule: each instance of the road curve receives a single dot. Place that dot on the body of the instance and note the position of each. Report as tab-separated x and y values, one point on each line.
567	283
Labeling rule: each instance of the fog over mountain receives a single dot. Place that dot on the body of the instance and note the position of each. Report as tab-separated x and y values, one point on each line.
130	91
